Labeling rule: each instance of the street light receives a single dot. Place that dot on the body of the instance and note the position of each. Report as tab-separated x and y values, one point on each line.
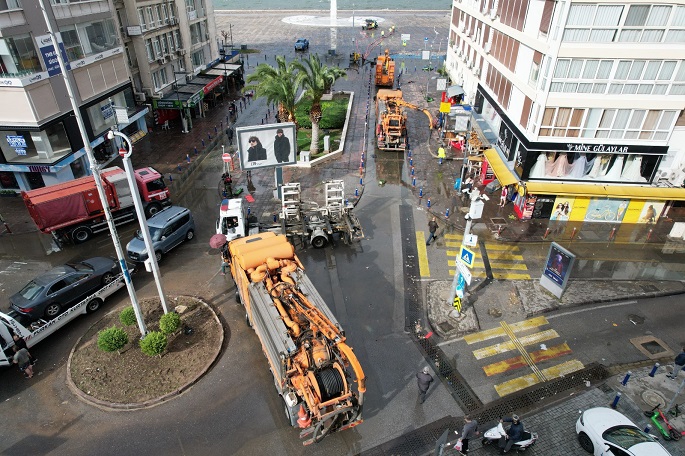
427	82
96	174
151	257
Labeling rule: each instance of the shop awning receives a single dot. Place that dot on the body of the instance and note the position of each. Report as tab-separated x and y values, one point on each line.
504	175
607	191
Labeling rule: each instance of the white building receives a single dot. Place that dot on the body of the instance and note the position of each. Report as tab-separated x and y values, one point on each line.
581	100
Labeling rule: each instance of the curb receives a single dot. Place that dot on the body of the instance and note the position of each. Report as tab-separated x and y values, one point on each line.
121	407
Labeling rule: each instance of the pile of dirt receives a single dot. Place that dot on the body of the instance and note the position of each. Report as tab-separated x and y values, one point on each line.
131	376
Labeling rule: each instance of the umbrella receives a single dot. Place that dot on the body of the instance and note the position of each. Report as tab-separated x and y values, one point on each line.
217	241
453	91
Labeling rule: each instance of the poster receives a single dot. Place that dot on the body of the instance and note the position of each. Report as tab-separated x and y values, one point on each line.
557	269
562	208
263	146
651	211
606	210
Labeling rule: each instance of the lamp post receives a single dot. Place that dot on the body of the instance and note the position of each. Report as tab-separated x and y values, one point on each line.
184	127
427	82
96	174
138	204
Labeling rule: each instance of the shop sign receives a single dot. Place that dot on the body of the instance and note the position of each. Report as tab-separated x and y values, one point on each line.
18	143
212	85
39	169
167	104
597	148
47	51
196	98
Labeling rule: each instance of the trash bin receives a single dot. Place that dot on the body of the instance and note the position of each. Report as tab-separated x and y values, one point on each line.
243	47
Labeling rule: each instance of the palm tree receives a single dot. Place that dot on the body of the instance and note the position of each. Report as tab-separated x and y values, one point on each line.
279	85
316	80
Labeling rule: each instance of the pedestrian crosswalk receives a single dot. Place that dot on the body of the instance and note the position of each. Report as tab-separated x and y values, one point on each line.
517	337
506	261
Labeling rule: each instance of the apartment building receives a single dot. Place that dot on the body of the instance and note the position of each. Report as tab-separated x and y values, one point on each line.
114	53
580	100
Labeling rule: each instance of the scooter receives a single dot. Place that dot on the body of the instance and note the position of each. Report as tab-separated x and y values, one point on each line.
493	435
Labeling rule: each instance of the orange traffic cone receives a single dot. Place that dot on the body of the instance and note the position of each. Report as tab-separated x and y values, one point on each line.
304	421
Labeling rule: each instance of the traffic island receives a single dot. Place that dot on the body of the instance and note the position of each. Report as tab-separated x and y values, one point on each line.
130	379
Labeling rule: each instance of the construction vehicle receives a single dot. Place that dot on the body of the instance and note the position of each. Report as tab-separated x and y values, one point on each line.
355	58
35	331
391	119
385	70
316	373
306	221
370	24
72	211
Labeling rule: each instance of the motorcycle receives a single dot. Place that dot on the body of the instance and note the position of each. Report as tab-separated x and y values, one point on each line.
493	435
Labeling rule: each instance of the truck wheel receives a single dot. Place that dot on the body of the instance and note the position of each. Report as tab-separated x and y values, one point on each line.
247	320
152	209
158	256
287	412
237	297
319	242
81	234
93	305
52	310
189	235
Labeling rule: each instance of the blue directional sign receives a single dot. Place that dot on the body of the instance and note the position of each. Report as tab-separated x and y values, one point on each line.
466	256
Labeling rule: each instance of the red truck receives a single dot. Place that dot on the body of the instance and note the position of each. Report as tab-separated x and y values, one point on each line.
72	211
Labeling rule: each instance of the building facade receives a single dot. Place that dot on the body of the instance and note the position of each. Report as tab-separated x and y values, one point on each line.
581	101
119	56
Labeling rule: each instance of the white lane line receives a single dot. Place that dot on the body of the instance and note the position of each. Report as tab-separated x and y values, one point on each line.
589	308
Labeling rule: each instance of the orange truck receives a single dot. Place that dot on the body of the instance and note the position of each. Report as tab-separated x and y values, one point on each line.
385	70
391	120
72	211
316	373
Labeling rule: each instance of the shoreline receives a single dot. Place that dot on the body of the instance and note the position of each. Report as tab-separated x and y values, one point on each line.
328	11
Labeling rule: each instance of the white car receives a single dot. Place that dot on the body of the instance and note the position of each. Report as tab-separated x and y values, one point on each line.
605	432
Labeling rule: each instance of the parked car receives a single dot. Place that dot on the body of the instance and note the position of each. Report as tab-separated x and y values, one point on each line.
52	292
302	44
603	431
168	228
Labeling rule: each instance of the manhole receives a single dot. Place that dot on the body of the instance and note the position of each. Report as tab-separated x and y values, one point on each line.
445	326
636	319
652	398
498	221
653	347
649	287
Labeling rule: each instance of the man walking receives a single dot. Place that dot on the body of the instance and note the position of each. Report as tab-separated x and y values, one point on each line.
432	229
679	364
424	380
470	431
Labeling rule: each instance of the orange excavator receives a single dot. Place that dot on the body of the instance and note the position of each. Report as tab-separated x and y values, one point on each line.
385	70
316	373
391	119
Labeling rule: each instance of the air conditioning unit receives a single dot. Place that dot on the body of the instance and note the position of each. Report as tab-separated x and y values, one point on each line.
487	47
149	92
140	96
189	77
493	14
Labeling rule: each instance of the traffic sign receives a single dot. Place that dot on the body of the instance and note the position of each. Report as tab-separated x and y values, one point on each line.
464	272
457	303
471	240
226	157
405	37
460	293
466	256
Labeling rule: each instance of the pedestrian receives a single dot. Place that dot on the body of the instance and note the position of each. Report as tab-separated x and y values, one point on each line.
470	431
432	229
424	380
514	434
678	365
22	359
503	196
21	343
225	259
441	153
229	133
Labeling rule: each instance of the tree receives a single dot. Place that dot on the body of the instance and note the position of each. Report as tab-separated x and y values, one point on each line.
316	79
279	85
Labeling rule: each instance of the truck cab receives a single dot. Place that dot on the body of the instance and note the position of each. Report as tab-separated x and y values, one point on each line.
233	220
153	190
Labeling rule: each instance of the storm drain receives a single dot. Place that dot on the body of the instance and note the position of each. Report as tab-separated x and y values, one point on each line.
649	288
498	221
652	347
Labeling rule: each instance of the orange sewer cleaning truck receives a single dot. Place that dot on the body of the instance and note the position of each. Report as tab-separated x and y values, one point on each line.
316	373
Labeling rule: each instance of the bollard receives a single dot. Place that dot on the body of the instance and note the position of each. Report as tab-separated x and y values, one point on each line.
361	171
171	178
546	233
361	181
179	168
654	369
275	218
500	228
573	233
361	163
356	191
203	143
420	192
440	161
214	129
362	156
188	158
412	170
411	161
408	152
428	203
209	137
195	150
648	428
649	233
447	213
413	182
616	399
612	234
626	378
249	209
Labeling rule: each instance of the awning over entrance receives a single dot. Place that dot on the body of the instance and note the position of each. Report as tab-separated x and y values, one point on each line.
504	175
606	191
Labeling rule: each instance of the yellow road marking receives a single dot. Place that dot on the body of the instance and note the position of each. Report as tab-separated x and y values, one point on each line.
524	352
505	256
525	381
499	332
530	339
518	361
424	270
476	274
510	276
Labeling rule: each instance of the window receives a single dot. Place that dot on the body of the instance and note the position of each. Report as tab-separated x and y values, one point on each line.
160	16
141	18
148	49
198	58
24	56
150	17
157	47
72	45
159	78
165	13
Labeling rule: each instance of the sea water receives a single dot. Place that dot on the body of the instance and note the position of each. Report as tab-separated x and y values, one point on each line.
343	5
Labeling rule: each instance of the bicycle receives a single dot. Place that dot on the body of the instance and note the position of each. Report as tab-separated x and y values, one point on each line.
669	432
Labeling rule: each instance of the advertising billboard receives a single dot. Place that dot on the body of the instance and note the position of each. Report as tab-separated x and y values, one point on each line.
263	146
557	269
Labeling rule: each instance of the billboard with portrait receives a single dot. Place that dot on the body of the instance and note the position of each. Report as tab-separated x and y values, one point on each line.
263	146
557	269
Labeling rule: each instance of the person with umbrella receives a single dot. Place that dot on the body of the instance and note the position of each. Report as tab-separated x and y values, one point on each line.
218	241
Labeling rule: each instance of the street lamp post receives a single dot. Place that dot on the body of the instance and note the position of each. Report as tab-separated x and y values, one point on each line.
427	82
96	174
138	204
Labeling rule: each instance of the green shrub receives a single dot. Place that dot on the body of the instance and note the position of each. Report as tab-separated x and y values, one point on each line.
153	344
169	322
332	113
112	339
127	317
